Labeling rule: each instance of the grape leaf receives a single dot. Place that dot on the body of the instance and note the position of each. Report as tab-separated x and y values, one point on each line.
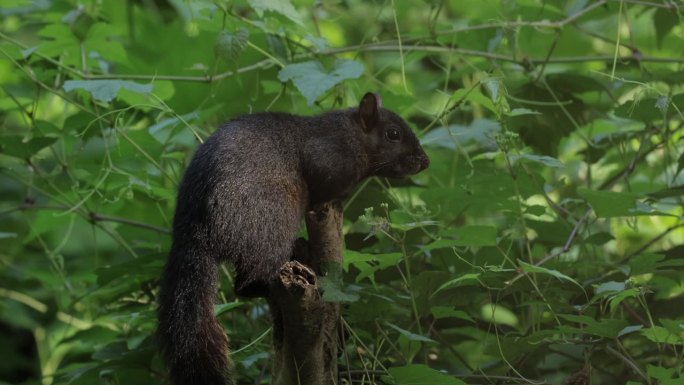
107	89
311	79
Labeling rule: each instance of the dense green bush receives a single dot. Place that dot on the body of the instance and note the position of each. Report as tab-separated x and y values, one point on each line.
543	245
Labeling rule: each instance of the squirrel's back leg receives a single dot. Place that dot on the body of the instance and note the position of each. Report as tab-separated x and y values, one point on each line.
266	236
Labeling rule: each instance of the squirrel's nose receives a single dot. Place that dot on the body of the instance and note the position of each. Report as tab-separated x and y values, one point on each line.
423	160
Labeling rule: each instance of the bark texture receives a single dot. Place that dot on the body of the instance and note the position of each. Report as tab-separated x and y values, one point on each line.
305	328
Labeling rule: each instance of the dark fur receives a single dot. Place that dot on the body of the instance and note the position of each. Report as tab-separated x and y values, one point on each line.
242	200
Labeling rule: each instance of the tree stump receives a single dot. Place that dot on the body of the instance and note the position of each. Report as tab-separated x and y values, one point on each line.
305	328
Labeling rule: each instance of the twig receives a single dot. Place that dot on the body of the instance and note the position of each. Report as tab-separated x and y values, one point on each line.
90	216
606	39
548	57
568	243
106	218
651	242
629	169
633	313
629	362
474	376
565	249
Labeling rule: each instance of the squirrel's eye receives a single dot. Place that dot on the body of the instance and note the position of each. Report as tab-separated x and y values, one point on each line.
393	135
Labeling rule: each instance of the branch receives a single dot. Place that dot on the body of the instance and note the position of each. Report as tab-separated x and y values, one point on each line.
384	46
534	24
267	63
506	58
305	327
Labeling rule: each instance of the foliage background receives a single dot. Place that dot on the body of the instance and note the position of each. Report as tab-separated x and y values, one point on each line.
543	245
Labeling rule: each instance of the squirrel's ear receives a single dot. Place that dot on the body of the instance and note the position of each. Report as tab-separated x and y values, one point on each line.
369	110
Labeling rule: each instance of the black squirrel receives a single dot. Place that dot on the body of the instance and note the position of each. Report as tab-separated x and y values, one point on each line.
242	200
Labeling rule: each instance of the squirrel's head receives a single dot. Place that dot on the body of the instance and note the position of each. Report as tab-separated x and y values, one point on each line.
393	150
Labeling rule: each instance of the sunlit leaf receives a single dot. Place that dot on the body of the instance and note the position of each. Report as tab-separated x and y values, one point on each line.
283	7
609	204
229	46
312	80
106	90
498	314
661	335
543	159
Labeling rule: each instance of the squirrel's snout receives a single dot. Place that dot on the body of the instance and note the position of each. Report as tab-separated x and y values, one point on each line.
424	161
422	158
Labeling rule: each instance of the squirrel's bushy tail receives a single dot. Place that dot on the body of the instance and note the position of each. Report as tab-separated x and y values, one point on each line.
192	341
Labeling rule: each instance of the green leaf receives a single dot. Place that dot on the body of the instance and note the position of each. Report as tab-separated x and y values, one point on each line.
106	90
334	292
440	312
142	268
600	238
492	85
526	267
522	111
649	109
630	329
421	375
6	4
664	20
408	348
474	235
229	46
644	264
331	284
478	97
282	7
607	328
252	359
543	159
673	325
369	264
663	375
311	79
617	299
660	335
411	336
536	210
440	244
610	287
102	42
480	132
18	147
608	204
498	314
465	279
224	307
